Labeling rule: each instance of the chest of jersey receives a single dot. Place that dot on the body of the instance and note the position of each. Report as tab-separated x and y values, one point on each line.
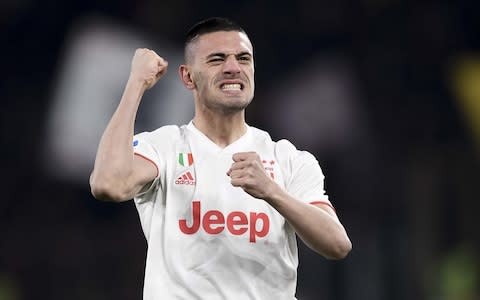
208	239
207	206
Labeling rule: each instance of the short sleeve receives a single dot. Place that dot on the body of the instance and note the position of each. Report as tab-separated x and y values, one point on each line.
305	179
144	149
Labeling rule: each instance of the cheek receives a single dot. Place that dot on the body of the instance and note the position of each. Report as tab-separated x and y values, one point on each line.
250	73
203	79
197	79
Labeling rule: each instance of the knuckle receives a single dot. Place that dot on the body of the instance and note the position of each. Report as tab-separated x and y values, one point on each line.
255	164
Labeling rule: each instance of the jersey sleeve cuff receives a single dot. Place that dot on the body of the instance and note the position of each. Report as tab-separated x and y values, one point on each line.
150	160
324	203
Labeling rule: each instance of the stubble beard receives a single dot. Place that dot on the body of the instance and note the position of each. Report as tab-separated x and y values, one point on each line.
227	106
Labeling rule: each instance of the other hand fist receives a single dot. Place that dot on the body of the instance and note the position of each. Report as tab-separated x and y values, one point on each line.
248	172
147	67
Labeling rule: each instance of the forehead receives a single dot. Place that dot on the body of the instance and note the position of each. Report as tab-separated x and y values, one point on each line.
223	42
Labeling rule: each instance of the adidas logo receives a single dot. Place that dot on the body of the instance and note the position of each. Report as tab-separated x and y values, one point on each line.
186	178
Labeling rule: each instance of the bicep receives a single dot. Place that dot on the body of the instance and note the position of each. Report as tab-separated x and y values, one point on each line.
307	183
145	171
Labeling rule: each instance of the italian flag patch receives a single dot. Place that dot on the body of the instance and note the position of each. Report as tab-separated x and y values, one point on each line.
185	159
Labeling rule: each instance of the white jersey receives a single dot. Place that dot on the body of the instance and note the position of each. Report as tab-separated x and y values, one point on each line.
208	239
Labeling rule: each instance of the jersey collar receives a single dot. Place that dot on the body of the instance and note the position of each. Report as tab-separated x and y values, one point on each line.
241	144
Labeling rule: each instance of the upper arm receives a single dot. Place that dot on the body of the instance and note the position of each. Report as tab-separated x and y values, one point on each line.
119	189
151	150
305	180
145	171
328	208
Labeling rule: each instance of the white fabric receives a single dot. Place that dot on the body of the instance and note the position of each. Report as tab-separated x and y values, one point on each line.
236	247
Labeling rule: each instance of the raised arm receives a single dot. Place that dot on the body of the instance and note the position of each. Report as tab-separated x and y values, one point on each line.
118	174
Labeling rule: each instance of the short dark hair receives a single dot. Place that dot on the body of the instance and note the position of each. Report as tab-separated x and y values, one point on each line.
210	25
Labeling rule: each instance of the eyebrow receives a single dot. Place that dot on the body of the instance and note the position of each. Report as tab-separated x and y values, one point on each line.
223	55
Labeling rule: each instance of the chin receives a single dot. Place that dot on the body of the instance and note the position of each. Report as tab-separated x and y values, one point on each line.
234	106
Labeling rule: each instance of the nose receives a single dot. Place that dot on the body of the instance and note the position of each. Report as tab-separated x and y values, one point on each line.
231	65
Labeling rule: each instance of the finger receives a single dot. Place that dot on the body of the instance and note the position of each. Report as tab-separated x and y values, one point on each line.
151	52
240	165
237	174
162	62
245	166
239	156
161	70
162	66
237	182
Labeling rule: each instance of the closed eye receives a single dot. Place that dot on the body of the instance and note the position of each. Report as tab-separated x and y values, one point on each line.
244	57
215	59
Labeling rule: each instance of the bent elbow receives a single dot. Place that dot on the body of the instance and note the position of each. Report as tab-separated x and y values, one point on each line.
105	190
341	249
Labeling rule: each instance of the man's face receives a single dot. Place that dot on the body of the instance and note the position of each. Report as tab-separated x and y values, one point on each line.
222	70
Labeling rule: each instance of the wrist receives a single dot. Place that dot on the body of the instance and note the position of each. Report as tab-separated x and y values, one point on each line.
137	82
273	193
134	90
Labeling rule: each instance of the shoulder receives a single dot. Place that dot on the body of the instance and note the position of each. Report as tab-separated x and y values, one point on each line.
285	151
292	157
159	134
161	137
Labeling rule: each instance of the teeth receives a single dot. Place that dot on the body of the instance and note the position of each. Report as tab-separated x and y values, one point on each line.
231	86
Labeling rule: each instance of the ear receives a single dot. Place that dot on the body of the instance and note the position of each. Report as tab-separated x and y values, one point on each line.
186	77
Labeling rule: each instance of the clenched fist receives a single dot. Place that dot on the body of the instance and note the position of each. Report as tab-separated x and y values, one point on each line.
147	67
248	172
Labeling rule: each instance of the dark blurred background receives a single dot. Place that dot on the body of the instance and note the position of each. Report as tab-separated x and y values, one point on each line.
385	93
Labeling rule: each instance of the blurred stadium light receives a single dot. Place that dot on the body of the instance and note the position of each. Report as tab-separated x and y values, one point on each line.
466	84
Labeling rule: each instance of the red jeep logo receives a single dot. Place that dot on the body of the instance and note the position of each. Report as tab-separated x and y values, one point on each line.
238	223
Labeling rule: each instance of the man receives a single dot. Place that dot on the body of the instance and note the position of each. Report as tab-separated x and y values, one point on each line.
219	201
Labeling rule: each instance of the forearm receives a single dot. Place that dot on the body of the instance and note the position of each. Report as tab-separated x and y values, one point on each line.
321	231
114	159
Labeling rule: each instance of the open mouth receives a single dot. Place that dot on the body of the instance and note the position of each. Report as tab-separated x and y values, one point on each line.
231	87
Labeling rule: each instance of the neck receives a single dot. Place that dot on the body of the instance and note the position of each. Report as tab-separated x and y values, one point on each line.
221	129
